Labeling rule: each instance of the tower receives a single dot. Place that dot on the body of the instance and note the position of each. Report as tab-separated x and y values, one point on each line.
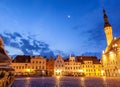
107	29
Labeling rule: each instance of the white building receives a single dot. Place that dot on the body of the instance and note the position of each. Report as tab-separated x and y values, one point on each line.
59	66
72	67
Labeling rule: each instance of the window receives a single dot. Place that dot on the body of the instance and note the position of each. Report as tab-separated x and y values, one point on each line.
40	62
62	65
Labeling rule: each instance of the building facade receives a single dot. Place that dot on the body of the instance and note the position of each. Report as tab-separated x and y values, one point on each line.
59	66
29	65
21	64
50	66
111	55
90	65
72	67
38	65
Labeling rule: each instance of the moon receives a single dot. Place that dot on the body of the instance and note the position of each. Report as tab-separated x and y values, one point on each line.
69	16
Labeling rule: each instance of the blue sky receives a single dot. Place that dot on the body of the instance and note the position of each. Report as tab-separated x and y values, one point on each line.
48	21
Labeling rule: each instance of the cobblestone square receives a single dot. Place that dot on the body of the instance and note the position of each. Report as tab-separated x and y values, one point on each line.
66	82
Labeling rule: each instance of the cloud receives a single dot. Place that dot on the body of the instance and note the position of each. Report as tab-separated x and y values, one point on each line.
17	44
13	51
96	34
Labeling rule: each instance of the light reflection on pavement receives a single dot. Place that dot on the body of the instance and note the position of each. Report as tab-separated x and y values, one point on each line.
66	82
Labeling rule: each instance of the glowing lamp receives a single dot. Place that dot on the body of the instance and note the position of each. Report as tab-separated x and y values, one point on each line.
28	70
58	71
81	71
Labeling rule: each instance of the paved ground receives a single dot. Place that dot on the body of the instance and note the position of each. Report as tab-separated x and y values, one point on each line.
66	82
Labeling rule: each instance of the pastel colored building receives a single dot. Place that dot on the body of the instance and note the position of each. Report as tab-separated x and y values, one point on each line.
29	65
59	66
91	66
72	67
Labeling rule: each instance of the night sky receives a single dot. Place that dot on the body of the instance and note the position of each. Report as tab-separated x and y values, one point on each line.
72	26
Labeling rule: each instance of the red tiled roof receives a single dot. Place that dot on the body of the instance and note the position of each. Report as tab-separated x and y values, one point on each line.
87	58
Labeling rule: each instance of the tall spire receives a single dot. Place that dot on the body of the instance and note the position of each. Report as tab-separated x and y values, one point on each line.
106	22
107	29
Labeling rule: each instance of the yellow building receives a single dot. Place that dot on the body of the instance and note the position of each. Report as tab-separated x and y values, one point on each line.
90	65
111	55
72	67
38	65
27	65
21	64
